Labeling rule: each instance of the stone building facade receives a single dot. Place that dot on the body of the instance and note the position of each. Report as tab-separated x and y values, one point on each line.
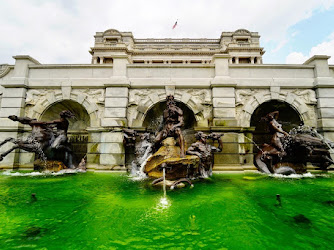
221	81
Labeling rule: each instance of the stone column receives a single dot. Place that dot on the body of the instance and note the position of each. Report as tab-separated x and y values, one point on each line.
13	103
324	84
252	60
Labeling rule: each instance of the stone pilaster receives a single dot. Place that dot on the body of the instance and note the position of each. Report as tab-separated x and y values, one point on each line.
112	153
223	93
324	86
13	103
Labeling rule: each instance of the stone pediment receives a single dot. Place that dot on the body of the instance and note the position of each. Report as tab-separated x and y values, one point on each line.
242	32
111	32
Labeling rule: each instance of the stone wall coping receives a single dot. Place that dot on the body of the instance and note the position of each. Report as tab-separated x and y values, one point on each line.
317	57
273	66
64	66
280	66
181	65
26	57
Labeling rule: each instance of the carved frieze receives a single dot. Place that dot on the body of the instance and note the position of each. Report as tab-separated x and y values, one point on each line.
38	100
4	69
308	95
95	95
34	95
141	100
243	95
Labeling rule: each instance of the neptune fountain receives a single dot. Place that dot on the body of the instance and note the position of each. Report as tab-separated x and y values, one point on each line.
160	157
163	155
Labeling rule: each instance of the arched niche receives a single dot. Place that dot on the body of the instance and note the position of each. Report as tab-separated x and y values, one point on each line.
77	134
154	116
288	117
153	119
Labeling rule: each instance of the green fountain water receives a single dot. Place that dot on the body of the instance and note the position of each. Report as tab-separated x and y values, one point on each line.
110	211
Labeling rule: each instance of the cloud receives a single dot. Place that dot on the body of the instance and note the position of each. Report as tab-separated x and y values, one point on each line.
280	45
296	58
324	48
61	31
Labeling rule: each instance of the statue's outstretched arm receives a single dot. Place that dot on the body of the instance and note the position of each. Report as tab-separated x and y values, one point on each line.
54	122
23	120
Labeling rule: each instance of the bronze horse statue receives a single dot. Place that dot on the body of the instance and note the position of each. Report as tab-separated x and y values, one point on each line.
43	140
288	153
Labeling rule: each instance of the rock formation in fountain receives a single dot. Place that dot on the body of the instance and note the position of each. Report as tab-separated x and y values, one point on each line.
47	139
168	156
288	153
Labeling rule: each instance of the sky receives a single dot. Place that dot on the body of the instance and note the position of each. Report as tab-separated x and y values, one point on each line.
62	31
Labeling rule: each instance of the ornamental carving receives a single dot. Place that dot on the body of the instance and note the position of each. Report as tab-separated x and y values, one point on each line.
34	95
307	95
38	100
141	100
95	95
243	95
203	96
111	32
241	32
4	69
302	100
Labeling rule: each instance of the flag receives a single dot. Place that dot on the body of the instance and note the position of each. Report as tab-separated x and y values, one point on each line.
175	25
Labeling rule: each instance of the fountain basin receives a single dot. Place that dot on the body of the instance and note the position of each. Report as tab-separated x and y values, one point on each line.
111	211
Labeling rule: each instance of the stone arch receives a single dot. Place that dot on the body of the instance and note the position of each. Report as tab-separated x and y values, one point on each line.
79	123
288	117
153	116
307	114
45	99
138	111
77	132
